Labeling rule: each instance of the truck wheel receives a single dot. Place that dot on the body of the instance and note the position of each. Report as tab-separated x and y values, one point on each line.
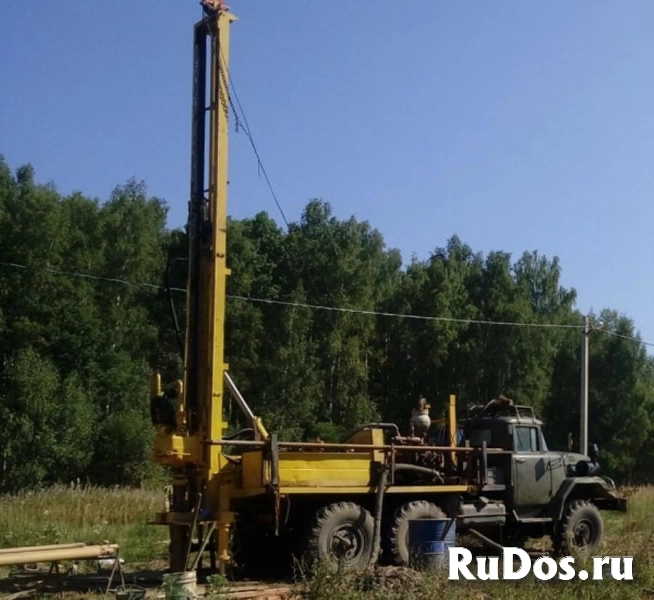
580	531
398	537
341	535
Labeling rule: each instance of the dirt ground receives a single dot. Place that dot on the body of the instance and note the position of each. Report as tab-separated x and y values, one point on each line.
22	584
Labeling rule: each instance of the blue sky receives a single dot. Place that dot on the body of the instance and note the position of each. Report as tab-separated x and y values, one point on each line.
515	125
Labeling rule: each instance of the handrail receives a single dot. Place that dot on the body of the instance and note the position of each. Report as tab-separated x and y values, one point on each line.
345	446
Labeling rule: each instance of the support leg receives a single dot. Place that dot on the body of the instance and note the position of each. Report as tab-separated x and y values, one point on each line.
179	537
117	567
212	552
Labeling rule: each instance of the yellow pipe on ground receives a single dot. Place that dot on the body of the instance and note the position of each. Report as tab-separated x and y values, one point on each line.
33	548
81	553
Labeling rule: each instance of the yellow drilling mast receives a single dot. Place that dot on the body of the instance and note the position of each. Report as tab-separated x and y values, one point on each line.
190	412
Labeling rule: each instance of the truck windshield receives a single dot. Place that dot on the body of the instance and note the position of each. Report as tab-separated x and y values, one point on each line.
527	439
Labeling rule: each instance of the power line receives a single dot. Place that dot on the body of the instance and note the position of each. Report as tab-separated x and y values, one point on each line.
403	315
624	337
324	307
427	317
87	276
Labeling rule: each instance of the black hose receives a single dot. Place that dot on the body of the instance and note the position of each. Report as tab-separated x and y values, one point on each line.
379	506
379	503
238	434
418	469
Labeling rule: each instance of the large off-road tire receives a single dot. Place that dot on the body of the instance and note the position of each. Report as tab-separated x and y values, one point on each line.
340	536
397	539
580	531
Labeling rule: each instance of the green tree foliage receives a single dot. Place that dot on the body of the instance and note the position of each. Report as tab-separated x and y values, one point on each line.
76	352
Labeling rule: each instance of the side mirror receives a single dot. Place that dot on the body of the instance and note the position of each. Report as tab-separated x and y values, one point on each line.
593	453
570	442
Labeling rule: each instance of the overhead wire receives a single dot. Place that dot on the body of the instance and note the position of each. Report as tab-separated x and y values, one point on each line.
624	337
329	308
404	315
241	122
86	276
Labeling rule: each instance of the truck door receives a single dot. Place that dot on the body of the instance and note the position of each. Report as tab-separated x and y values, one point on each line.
532	480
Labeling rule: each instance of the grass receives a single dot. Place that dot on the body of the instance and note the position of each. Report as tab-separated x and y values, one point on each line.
87	514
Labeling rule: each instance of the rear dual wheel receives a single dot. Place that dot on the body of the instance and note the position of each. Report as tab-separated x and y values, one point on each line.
397	538
341	534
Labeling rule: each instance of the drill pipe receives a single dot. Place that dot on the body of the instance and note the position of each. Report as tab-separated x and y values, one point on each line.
33	548
80	553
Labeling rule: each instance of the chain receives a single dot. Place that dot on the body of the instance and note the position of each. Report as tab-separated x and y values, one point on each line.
221	70
224	102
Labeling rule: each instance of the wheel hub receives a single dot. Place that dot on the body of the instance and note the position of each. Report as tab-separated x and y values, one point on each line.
583	533
346	542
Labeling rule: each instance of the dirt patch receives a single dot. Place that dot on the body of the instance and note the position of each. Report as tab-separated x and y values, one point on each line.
390	581
397	579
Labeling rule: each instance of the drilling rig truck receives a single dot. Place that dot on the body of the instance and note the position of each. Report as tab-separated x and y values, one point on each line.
343	504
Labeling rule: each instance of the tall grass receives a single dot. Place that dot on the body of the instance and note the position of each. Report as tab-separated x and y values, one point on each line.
626	535
88	514
85	514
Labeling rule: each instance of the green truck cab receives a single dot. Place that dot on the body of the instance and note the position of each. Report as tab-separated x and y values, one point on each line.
530	490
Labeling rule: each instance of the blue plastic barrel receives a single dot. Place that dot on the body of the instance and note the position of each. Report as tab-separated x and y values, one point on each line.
427	548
